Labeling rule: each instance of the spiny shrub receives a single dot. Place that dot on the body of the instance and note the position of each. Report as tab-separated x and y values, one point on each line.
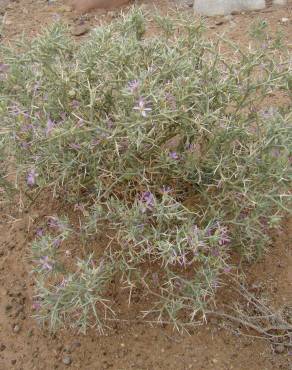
174	148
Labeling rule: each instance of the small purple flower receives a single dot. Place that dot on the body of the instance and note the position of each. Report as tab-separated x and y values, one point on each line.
142	107
95	142
75	104
166	189
40	232
109	123
227	270
50	126
54	223
63	283
36	306
4	68
133	86
26	128
57	242
224	239
276	153
148	199
31	177
63	115
25	144
173	155
46	264
80	123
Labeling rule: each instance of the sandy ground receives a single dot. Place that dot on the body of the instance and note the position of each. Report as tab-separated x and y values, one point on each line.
24	345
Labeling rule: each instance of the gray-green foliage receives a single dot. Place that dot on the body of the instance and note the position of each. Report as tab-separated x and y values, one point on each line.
138	126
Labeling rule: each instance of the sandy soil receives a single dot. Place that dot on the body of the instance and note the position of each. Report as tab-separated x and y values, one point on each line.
216	346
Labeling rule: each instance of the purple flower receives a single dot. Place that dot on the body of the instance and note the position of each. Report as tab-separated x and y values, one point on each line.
95	142
227	270
276	153
25	144
4	68
31	177
166	189
148	199
40	232
50	126
173	155
75	104
142	107
46	264
36	306
133	86
80	123
63	115
26	128
57	242
224	239
63	283
54	223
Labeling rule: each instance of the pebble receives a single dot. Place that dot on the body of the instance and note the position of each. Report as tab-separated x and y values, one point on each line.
67	360
280	348
16	329
8	307
2	347
285	20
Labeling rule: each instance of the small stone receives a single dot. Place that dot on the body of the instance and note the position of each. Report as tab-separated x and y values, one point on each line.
8	307
215	361
16	329
2	347
284	20
280	348
67	360
123	345
80	30
13	362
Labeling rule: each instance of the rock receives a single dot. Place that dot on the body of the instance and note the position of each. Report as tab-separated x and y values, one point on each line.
16	329
2	347
223	7
279	348
284	20
67	360
13	362
80	30
8	307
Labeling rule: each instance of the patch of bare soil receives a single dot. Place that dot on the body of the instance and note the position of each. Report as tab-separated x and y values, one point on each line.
129	345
